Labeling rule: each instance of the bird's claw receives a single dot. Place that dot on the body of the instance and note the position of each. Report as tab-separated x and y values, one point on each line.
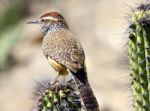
55	82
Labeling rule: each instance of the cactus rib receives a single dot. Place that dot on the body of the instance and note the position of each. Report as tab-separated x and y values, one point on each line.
139	57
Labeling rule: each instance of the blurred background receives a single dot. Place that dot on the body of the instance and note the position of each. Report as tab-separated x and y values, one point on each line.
100	26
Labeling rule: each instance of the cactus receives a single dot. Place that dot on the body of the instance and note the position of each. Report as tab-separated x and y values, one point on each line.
57	97
139	56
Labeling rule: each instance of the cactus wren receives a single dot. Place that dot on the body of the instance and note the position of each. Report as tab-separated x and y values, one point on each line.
59	46
65	52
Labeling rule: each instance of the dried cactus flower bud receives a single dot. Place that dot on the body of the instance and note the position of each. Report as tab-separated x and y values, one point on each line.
57	97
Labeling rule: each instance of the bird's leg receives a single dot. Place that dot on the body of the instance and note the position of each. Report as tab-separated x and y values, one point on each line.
64	79
56	79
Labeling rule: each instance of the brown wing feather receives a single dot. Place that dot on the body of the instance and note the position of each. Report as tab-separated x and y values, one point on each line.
65	49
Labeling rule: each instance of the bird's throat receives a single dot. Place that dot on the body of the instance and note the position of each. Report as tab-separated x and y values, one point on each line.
56	27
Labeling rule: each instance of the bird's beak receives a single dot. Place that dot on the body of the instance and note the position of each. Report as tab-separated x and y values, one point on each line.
35	21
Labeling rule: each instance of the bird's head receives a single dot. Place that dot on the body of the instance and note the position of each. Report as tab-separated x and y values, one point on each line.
50	22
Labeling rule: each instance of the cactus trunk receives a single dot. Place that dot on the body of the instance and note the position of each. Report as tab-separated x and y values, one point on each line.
139	56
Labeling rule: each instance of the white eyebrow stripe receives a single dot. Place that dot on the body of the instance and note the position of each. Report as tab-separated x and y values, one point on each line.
49	18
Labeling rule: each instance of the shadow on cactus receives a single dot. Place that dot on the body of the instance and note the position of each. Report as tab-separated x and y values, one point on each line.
139	56
57	97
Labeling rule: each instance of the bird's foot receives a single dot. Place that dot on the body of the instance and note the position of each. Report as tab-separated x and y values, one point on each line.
64	80
54	82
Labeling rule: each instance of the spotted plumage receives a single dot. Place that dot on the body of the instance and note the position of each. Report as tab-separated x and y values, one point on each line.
64	52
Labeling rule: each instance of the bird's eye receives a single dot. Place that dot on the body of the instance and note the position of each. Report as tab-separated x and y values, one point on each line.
42	20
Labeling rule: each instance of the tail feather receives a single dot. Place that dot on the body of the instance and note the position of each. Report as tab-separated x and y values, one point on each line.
86	92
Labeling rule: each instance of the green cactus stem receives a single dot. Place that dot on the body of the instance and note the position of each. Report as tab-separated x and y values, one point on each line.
139	56
57	97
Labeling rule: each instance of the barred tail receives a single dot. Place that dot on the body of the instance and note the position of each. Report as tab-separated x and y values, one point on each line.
86	92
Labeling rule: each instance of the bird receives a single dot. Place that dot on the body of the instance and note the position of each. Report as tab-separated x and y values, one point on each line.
65	53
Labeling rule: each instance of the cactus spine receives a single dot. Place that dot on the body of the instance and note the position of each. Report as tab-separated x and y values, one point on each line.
139	56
